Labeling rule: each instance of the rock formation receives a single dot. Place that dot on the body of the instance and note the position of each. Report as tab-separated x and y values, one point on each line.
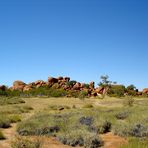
18	85
145	91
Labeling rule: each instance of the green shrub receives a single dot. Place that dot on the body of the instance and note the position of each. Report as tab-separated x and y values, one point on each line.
136	130
104	127
58	93
10	100
122	115
139	130
129	102
116	91
86	86
73	93
4	122
93	141
22	142
2	137
71	83
14	118
83	94
121	129
80	138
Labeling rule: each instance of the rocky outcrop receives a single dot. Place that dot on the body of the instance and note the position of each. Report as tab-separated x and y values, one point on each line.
56	83
92	85
39	83
77	86
145	91
27	88
18	85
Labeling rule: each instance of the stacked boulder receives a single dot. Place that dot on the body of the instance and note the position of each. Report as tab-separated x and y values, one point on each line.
145	91
56	83
18	85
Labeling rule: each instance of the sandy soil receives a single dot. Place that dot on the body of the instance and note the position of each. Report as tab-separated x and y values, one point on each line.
112	141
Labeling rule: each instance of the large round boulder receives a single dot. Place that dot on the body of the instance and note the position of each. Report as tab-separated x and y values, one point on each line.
18	85
92	85
52	80
27	88
145	91
77	86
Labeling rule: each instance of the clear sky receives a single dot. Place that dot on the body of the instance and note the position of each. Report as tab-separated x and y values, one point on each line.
83	39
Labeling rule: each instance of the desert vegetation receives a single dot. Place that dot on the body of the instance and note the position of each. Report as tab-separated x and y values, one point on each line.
73	116
64	87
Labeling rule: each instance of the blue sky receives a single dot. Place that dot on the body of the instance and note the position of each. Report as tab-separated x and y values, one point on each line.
83	39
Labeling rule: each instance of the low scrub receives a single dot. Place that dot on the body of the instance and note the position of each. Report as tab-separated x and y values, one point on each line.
136	130
122	115
10	100
93	121
129	102
4	122
81	138
2	137
23	142
136	143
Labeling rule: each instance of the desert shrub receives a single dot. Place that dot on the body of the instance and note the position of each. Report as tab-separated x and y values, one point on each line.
47	130
104	127
57	93
13	110
93	142
27	128
4	122
81	138
86	86
83	94
73	93
74	138
129	102
45	91
121	129
116	91
71	83
122	115
88	106
14	118
22	142
10	100
41	124
139	130
2	137
86	121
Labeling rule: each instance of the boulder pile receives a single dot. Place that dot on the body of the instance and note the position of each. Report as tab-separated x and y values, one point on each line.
145	91
60	82
64	83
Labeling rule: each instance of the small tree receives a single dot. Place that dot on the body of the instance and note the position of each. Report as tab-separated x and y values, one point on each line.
105	83
131	90
131	87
